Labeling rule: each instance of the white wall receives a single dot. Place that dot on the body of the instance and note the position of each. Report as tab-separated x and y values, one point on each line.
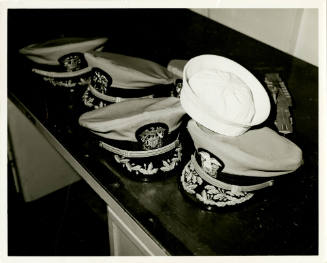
306	46
294	31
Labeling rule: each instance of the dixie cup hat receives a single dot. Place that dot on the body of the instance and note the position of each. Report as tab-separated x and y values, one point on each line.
142	135
131	77
222	95
227	170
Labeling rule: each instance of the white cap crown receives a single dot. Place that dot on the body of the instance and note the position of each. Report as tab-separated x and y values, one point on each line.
222	95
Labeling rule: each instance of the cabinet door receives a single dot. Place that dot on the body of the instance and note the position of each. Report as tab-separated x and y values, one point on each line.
127	238
40	168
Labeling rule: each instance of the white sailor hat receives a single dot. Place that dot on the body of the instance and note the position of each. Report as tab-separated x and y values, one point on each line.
131	77
222	95
227	170
141	134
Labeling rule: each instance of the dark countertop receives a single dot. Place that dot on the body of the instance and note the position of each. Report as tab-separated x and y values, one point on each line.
281	221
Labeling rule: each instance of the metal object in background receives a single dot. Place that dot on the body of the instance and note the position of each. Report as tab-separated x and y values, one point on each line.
283	101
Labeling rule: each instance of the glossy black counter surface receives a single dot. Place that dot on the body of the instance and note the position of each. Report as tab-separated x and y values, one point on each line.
281	221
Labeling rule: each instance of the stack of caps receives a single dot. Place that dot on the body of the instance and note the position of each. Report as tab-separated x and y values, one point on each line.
141	134
92	79
230	161
116	78
62	75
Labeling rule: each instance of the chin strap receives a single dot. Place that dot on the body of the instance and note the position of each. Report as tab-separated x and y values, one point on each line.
69	74
108	98
220	184
140	154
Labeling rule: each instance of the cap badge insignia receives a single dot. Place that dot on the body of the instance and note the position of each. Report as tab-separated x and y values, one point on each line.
152	137
100	80
211	166
73	62
178	87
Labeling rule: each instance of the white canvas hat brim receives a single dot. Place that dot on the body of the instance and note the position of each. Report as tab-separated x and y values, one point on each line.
203	113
